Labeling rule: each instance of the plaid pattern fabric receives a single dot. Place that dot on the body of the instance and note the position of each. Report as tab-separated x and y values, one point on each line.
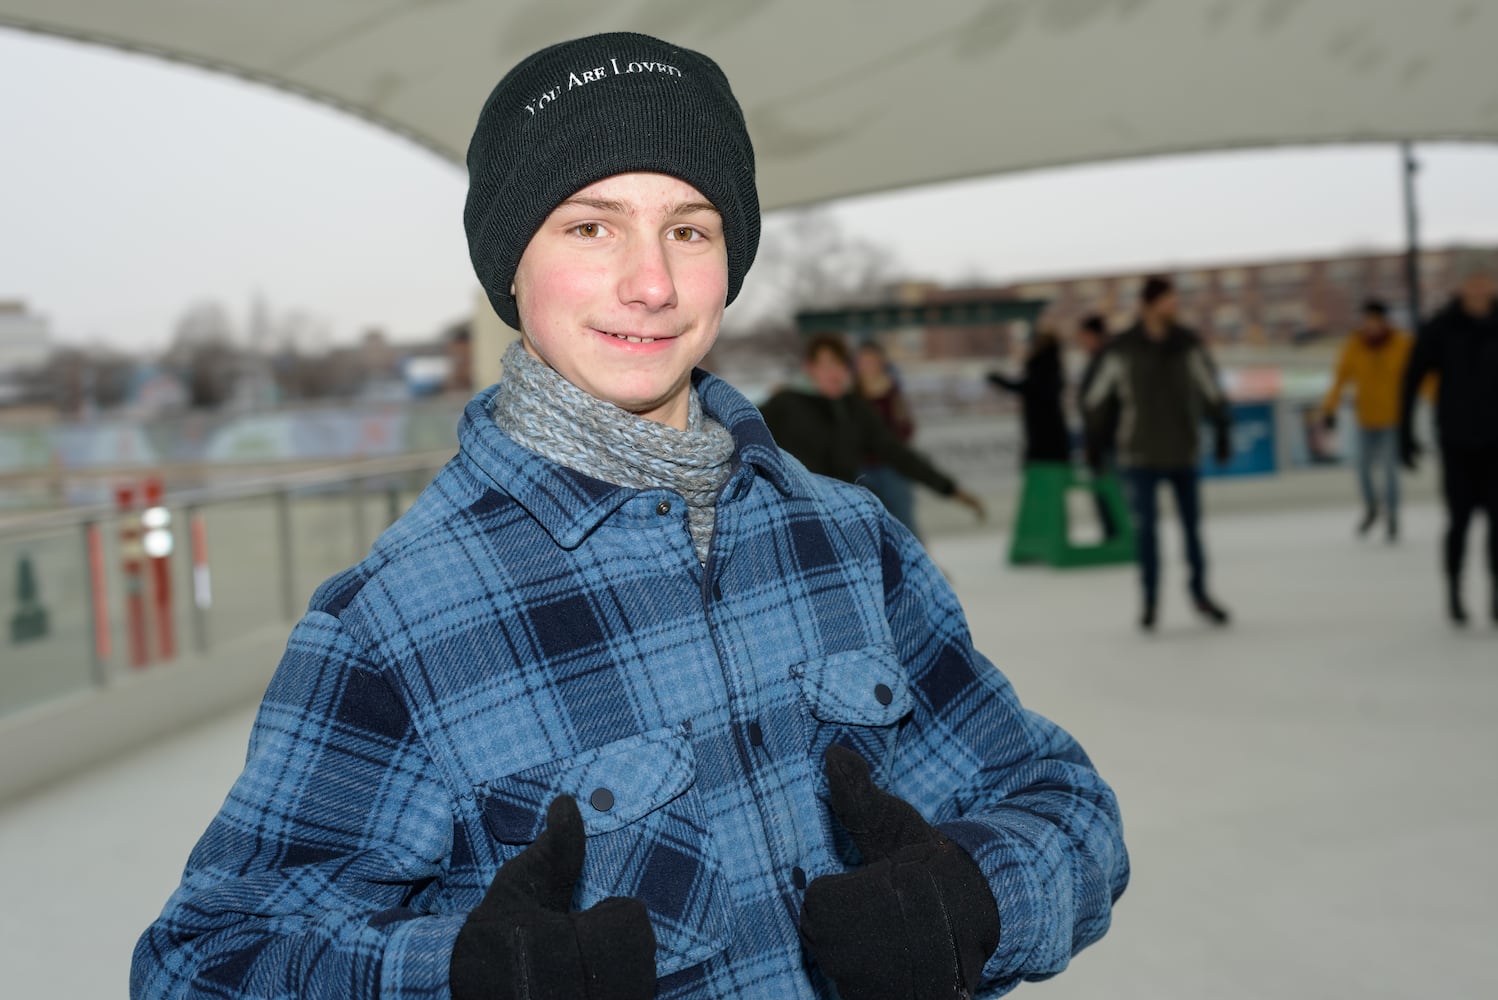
525	631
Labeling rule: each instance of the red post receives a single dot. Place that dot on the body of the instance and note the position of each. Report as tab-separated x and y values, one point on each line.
157	543
132	562
99	592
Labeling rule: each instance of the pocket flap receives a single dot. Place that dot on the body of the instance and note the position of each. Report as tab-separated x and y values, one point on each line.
614	785
861	687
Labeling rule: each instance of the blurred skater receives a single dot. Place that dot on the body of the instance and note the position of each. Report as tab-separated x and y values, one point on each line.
1460	344
1373	361
1155	384
879	386
831	429
1098	446
1047	438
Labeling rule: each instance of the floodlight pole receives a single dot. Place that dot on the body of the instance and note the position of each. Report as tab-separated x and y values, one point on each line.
1411	233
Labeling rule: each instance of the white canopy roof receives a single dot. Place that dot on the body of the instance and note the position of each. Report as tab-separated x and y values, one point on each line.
851	96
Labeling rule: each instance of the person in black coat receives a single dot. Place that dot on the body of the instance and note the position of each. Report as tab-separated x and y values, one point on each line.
1460	344
1047	438
832	430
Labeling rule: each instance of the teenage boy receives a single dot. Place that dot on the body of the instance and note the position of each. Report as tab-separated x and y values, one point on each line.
629	704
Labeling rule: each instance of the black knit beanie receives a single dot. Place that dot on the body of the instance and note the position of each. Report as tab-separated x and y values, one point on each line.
583	110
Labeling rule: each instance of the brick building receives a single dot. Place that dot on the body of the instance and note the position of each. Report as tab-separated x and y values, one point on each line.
1271	303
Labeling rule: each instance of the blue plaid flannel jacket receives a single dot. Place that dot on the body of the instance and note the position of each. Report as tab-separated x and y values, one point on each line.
525	631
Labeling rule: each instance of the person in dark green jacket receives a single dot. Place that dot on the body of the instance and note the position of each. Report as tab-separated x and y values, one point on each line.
829	428
1156	385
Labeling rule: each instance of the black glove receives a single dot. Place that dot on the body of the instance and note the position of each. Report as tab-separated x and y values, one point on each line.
522	941
917	921
1329	421
1409	450
1224	445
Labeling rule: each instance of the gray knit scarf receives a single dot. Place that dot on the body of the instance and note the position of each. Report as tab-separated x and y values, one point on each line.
542	411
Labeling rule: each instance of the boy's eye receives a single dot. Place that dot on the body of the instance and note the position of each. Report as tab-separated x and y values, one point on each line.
588	229
685	233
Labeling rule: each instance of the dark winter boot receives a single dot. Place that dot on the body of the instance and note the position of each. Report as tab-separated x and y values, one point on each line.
1209	609
1370	518
1391	529
1147	618
1454	606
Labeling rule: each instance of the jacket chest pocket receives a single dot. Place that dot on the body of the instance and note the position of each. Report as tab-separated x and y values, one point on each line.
856	698
646	836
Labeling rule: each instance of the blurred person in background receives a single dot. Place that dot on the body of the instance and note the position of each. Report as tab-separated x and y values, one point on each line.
879	385
1040	390
1093	340
1098	444
606	714
1156	385
833	431
1373	360
1459	344
459	347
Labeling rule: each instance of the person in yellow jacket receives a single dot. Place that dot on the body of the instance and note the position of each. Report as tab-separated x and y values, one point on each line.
1373	360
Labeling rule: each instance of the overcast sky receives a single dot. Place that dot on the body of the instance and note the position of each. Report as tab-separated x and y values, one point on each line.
131	189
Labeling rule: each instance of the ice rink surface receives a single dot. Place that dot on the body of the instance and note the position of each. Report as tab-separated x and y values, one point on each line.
1310	796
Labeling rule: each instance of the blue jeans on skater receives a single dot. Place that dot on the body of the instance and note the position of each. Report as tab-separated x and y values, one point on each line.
1378	451
894	491
1144	486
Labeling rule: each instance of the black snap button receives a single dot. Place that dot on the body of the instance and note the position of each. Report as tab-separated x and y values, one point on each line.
663	508
602	799
883	694
756	735
798	877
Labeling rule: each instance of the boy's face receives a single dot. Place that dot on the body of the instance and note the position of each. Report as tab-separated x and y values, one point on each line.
830	374
1163	308
1477	293
1375	325
871	366
622	289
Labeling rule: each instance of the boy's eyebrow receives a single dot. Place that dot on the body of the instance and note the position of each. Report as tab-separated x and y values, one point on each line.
623	208
601	204
693	207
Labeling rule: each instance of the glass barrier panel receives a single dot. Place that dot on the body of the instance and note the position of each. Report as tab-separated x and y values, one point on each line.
324	535
47	646
241	550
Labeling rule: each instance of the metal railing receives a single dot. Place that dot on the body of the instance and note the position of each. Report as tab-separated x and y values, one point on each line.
90	594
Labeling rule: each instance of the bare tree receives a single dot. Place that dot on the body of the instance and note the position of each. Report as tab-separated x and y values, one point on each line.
83	379
806	261
203	354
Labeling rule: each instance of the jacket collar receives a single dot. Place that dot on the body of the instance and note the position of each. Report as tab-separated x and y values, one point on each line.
1175	338
571	505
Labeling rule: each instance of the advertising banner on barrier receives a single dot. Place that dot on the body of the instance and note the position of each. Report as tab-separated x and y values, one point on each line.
1312	443
1254	443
